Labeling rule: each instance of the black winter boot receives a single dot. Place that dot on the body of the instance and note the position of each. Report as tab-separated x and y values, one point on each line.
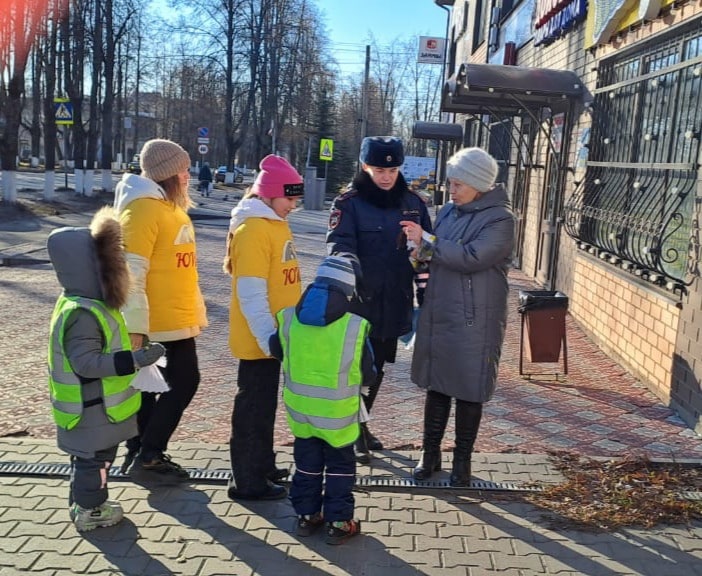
437	408
468	415
361	451
373	390
366	441
371	441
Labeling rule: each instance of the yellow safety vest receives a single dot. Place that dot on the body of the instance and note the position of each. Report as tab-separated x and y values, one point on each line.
65	389
322	366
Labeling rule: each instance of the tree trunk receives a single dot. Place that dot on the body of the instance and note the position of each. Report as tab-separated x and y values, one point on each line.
108	98
74	59
50	50
93	125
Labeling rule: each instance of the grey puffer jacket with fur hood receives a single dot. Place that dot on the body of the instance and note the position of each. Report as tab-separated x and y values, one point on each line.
90	263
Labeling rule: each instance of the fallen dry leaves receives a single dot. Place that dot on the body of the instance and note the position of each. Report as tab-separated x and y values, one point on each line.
606	495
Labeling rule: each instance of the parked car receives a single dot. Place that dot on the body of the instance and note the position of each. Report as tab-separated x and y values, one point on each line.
221	173
134	167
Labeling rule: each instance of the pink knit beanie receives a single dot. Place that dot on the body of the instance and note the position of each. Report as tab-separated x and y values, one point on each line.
277	179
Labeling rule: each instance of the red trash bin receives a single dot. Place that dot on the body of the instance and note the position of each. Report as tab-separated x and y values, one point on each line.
543	319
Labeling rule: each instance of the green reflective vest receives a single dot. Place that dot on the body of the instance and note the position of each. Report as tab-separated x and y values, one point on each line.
120	400
323	378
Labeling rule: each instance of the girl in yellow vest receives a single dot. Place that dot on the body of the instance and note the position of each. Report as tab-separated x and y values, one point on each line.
262	262
166	304
91	363
327	360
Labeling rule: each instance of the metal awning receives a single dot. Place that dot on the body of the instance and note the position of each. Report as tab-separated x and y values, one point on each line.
438	131
495	88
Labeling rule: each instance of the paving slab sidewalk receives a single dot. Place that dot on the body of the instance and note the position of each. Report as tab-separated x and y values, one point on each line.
196	530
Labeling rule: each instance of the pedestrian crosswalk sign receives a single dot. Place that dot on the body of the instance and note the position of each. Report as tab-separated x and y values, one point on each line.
63	111
326	149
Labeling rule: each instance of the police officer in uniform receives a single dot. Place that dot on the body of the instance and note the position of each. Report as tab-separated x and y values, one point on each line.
364	224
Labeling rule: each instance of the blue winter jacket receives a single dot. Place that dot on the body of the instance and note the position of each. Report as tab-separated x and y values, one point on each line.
365	221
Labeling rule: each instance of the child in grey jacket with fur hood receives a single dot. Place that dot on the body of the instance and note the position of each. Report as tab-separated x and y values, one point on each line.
91	364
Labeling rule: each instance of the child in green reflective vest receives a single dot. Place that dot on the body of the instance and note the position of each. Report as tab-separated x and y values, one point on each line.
327	359
91	364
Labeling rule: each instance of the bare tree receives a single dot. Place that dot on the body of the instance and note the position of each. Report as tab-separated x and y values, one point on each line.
49	52
34	124
256	72
74	49
389	70
20	23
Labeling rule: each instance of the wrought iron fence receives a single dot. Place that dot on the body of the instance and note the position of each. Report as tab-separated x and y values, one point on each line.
636	206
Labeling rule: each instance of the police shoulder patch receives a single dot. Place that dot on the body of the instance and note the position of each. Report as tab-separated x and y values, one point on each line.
334	218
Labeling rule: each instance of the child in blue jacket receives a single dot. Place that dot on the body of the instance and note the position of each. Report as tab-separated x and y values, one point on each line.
327	359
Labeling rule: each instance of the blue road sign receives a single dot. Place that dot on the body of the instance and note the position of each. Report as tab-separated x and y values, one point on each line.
63	111
203	132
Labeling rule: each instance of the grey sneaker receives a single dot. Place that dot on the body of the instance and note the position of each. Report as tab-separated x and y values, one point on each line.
85	519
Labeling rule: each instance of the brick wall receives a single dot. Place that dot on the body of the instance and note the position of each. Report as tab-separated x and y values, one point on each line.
633	324
685	392
630	322
653	336
683	352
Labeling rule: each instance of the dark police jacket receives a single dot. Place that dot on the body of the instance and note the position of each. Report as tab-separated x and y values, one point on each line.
365	221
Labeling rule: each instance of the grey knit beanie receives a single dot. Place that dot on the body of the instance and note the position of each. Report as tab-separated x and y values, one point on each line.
474	167
161	159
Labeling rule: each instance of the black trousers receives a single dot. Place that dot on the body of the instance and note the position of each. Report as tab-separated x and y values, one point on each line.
160	414
253	422
324	478
88	486
384	350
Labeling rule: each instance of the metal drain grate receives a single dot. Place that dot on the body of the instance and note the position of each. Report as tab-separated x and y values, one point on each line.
395	482
64	470
219	476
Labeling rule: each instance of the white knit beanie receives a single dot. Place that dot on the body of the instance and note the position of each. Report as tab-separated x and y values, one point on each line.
474	167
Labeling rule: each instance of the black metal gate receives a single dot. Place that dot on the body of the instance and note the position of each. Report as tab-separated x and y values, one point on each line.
636	206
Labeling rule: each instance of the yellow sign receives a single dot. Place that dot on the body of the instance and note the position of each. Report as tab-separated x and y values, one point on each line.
326	149
605	18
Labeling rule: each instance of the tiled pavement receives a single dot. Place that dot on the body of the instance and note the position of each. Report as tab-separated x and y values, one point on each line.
196	530
598	410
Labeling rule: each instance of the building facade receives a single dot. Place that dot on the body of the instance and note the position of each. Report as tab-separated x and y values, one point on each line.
594	111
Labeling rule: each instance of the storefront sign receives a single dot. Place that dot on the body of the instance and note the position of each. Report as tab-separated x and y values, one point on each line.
431	50
555	17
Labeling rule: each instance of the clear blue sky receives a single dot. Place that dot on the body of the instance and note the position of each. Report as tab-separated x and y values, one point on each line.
350	24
